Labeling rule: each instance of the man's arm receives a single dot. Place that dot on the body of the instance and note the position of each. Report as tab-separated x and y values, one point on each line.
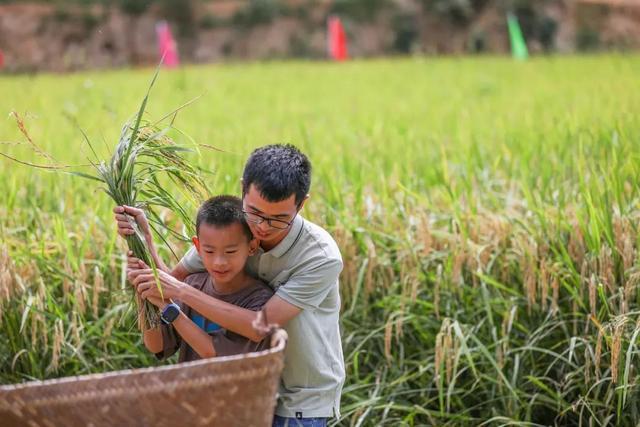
180	272
306	290
229	316
237	319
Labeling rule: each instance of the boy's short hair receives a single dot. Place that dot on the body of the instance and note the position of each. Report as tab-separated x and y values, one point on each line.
278	171
222	211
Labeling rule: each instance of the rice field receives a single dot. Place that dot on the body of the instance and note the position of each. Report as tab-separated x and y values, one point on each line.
487	211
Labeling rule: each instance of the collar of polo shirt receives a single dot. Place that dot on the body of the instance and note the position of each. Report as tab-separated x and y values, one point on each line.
290	239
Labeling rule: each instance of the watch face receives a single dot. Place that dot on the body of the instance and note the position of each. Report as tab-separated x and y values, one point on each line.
170	313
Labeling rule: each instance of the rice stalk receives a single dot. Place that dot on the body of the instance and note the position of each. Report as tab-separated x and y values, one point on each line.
58	342
144	160
616	346
7	272
98	287
388	331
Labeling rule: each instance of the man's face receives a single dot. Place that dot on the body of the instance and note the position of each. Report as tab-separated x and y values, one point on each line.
283	211
224	250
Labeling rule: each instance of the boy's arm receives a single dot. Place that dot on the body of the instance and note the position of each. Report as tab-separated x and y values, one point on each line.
152	339
199	340
181	329
186	330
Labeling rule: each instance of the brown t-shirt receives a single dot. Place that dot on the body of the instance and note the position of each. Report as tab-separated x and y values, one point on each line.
225	342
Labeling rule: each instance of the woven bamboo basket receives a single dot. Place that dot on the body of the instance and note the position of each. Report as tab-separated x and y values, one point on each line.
227	391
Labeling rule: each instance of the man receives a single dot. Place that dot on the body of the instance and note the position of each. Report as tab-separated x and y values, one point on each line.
299	260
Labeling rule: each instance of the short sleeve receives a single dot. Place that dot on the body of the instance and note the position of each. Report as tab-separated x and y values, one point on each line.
257	299
192	262
227	343
310	286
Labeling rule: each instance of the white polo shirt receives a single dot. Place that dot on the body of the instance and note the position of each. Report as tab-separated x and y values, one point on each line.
303	269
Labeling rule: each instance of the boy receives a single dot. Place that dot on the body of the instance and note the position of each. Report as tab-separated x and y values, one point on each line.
299	260
224	242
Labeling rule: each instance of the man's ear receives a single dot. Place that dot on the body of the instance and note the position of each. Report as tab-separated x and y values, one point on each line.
196	243
253	246
301	205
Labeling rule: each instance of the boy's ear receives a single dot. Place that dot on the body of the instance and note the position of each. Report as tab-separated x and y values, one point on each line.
196	243
301	205
253	246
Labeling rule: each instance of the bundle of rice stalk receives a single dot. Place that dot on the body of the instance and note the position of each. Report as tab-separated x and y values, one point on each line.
132	177
143	159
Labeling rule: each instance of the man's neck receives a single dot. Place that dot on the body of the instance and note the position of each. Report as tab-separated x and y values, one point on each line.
267	246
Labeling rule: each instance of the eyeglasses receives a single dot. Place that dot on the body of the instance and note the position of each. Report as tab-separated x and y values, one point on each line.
259	219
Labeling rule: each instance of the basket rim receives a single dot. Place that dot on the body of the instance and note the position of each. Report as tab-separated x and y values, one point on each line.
278	348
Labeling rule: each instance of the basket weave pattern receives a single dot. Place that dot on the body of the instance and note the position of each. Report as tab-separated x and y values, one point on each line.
227	391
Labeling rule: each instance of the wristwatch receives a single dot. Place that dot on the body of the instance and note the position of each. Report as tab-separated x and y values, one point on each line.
170	313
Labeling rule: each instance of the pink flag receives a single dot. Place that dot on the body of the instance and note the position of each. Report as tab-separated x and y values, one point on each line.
167	45
337	39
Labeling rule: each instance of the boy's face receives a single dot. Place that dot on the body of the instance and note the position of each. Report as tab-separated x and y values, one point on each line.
283	211
224	250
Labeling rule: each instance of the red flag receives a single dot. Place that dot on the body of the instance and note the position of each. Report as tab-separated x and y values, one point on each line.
337	39
168	48
1	60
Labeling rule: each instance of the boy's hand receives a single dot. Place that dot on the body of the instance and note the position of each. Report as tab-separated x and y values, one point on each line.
145	284
123	215
135	266
134	263
158	302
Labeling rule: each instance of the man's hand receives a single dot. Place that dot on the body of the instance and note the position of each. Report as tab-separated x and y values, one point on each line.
124	215
145	283
126	227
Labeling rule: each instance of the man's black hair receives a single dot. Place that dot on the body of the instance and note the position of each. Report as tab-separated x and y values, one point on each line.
277	172
221	211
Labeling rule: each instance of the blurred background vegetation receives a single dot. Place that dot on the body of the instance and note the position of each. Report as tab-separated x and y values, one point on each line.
77	34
